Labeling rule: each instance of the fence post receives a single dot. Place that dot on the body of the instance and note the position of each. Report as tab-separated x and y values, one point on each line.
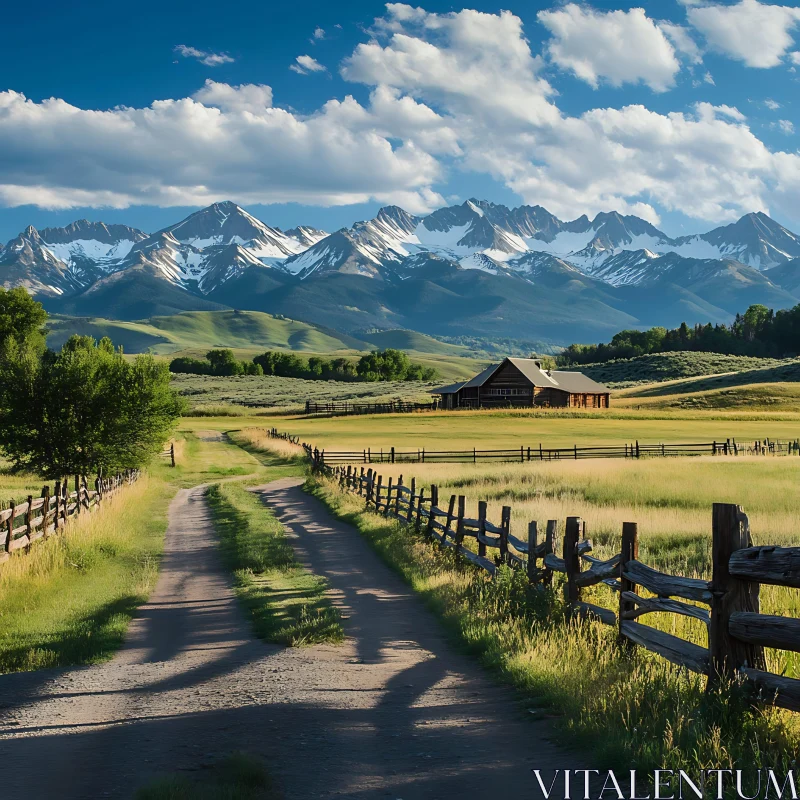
450	517
637	448
10	527
460	522
77	494
393	455
388	505
572	561
410	513
481	527
549	547
630	552
57	512
378	493
45	508
420	502
172	452
28	516
434	504
533	535
505	529
730	532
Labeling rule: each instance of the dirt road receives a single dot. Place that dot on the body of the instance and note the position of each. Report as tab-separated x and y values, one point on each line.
394	712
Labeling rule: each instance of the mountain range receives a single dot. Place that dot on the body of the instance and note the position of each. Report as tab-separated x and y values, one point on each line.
477	268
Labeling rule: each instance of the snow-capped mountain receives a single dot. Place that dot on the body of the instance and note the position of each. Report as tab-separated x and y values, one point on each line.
227	223
613	258
90	245
27	261
362	249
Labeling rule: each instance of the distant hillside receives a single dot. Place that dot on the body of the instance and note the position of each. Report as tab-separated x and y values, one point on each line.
411	340
205	329
672	366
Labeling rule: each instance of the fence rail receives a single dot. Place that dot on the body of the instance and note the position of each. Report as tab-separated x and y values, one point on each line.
347	408
21	524
522	454
728	604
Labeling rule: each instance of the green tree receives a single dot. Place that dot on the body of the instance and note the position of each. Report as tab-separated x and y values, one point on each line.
21	317
224	362
84	409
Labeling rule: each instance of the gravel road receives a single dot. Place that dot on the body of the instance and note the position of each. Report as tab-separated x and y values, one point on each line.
394	712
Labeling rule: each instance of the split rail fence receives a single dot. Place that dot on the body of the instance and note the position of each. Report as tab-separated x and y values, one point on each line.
728	604
21	524
344	408
522	454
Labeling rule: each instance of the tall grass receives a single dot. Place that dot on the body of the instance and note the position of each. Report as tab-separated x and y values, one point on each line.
630	709
70	599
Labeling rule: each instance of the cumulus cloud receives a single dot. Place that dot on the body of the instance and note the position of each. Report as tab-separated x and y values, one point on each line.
772	105
446	91
184	152
618	46
756	33
319	33
248	97
209	59
306	64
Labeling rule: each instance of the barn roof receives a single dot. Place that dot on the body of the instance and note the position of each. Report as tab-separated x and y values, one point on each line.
482	377
573	382
451	388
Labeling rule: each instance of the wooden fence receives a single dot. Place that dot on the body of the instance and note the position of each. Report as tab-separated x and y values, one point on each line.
347	408
522	454
274	433
728	604
21	524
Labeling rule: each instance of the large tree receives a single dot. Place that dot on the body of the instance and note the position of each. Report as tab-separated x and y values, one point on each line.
84	409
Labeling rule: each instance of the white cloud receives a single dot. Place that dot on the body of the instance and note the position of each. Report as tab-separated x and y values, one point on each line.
619	46
784	126
319	33
772	105
248	97
184	152
209	59
682	41
755	33
479	61
795	58
446	91
305	64
709	78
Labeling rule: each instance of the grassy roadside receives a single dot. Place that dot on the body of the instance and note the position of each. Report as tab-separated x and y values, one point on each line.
627	709
70	600
238	777
286	603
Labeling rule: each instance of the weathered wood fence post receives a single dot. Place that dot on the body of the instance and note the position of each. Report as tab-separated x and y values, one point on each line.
572	561
481	527
730	532
630	552
532	537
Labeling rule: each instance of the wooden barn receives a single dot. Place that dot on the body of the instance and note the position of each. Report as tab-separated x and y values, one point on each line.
523	382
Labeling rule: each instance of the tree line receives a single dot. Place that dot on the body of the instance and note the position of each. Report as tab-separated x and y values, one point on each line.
379	365
760	331
84	409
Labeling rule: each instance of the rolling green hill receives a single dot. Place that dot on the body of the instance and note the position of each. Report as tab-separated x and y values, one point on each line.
658	367
193	330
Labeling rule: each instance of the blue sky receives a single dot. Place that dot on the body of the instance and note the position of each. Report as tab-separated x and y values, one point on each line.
685	113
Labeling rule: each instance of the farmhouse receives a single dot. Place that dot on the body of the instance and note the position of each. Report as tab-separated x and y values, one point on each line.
523	382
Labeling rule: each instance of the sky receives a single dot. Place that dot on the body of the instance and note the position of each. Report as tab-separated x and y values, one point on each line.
684	113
